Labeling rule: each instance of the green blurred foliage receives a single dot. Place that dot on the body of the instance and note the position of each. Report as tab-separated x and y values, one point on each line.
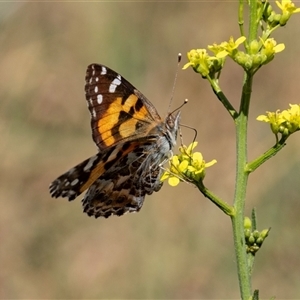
179	245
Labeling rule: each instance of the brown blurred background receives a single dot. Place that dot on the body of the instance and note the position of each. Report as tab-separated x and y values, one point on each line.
179	245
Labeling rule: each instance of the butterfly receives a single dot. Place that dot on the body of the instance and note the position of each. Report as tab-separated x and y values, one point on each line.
133	142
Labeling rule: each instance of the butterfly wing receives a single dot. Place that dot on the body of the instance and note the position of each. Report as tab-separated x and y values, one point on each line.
117	179
123	187
75	181
72	183
119	112
133	141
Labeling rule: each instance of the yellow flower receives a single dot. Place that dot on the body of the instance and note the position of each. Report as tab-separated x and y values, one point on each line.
186	152
285	122
274	118
218	50
203	63
270	47
198	60
231	46
288	8
292	118
187	166
173	174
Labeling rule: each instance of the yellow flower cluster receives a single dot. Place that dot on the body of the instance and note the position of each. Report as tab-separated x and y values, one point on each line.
186	166
259	53
285	122
209	65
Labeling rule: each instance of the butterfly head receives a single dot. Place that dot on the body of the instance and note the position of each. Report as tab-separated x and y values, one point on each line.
172	125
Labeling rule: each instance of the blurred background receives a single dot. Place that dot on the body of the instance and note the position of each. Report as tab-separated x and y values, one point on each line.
179	245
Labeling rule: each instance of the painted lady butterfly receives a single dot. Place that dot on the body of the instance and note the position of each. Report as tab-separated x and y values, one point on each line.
133	142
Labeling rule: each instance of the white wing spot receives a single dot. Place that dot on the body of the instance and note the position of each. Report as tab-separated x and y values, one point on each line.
96	89
71	193
90	102
99	98
93	113
103	71
114	84
71	171
90	163
74	182
97	79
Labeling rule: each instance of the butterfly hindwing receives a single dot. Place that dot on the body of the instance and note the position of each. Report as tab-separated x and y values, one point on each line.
124	186
75	181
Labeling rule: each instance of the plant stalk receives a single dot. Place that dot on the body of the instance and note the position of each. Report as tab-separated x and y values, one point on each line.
240	191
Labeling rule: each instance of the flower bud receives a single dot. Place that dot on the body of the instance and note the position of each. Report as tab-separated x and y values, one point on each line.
259	241
256	234
247	233
264	233
254	47
251	240
258	59
247	223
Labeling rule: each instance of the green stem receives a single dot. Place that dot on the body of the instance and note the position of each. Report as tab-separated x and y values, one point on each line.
254	22
252	166
226	208
240	191
241	18
221	96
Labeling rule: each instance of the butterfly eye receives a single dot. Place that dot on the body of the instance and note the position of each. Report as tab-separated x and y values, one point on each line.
170	122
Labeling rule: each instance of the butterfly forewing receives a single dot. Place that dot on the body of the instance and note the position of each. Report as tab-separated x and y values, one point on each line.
119	112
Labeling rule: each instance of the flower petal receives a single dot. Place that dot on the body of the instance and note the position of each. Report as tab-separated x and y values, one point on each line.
173	181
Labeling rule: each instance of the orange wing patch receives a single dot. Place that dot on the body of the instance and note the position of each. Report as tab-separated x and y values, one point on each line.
140	111
128	128
95	173
113	122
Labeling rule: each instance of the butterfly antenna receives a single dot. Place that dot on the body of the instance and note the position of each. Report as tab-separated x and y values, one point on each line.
175	79
189	127
184	103
181	137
